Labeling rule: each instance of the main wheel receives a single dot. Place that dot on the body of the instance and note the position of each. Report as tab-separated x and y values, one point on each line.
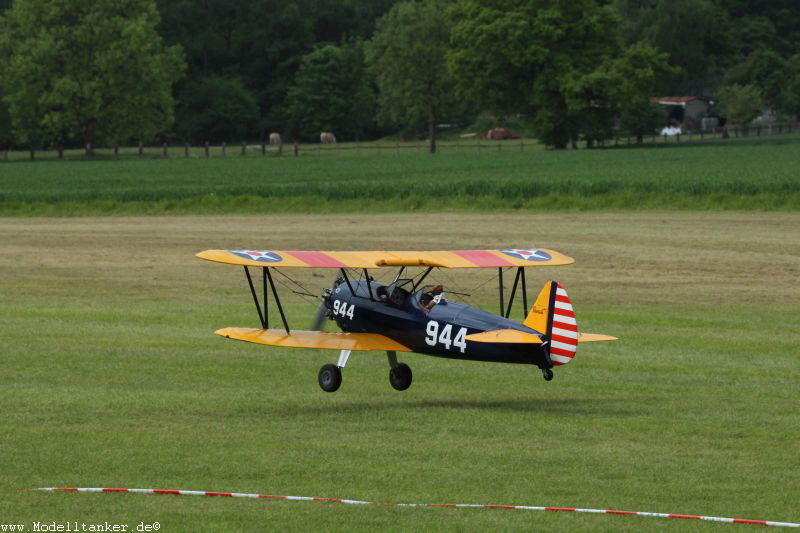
400	376
548	374
330	377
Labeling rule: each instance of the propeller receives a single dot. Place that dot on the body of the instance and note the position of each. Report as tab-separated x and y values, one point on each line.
318	321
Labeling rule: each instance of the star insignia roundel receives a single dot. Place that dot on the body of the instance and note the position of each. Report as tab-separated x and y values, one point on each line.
528	254
258	255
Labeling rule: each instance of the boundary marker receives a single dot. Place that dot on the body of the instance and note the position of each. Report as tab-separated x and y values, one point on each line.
449	505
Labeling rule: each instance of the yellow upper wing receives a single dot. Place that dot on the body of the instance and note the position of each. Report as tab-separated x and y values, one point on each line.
313	339
508	257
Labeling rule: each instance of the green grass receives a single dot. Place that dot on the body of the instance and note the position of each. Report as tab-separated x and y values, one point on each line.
756	173
112	377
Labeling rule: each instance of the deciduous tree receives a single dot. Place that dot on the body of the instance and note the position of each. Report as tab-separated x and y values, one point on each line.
740	104
87	71
407	56
520	56
331	92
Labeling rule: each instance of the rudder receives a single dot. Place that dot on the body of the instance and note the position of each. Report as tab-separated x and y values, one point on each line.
552	314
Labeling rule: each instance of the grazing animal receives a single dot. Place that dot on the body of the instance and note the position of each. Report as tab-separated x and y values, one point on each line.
327	137
499	134
275	139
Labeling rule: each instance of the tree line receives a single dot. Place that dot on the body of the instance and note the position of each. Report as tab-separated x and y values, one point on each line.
106	72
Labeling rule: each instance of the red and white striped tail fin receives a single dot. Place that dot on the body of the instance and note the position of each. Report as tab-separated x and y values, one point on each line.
552	315
563	331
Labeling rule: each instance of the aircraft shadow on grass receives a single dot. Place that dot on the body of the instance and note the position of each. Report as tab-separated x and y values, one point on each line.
562	407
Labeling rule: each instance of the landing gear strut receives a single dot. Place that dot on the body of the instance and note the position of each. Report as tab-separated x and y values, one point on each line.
548	374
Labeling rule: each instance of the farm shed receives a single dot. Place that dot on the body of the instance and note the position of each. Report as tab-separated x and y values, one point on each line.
684	111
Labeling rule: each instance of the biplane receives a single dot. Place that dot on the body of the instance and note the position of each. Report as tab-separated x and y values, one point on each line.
404	315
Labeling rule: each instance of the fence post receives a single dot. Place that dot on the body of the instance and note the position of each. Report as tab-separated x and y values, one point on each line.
244	149
223	148
296	149
186	149
205	147
60	152
141	148
263	148
5	154
165	150
32	154
116	152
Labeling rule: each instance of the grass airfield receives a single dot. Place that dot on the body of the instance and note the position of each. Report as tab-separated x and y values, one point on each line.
113	377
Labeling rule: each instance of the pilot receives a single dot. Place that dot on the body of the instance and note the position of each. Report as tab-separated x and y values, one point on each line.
383	296
432	297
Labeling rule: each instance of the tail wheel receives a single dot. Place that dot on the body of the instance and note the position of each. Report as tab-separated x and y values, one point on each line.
400	376
548	374
330	377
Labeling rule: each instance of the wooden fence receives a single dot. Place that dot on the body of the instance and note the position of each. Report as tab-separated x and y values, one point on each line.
207	150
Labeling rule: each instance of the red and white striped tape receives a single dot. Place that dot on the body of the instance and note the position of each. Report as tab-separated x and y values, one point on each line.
452	505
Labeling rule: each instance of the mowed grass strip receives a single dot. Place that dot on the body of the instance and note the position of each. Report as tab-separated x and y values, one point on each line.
756	173
113	377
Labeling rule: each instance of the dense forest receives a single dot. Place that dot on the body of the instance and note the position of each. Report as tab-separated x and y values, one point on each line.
121	71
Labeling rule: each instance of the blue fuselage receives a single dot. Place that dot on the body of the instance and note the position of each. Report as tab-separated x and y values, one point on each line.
439	331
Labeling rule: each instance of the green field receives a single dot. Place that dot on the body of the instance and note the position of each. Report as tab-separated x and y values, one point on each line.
112	375
754	173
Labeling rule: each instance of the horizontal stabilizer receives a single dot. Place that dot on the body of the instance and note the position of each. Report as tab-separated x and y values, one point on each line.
594	337
313	339
505	336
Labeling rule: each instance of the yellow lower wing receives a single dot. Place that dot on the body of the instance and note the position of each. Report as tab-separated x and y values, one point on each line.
313	339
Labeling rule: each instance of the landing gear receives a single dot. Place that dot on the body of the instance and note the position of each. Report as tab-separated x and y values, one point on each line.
330	377
400	376
400	373
548	374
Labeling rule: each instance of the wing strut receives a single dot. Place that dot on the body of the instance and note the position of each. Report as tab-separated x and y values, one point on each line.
520	276
344	274
420	280
277	299
266	281
369	284
255	298
500	283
